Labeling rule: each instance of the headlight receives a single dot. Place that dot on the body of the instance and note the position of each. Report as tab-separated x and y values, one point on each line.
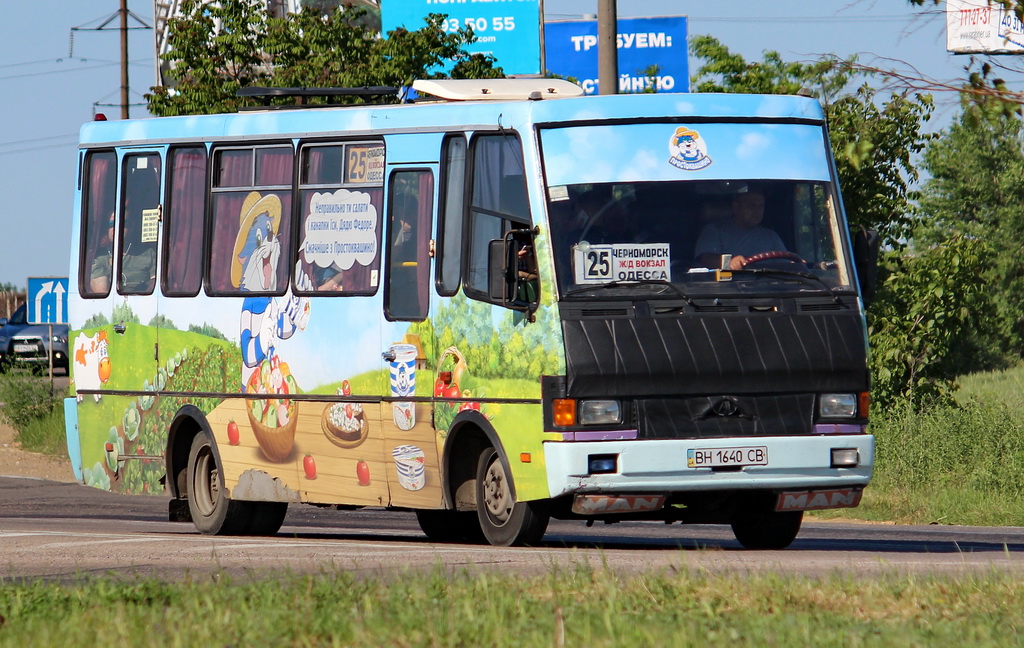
837	406
60	339
600	412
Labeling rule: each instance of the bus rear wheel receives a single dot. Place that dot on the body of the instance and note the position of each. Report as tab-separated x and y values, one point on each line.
758	526
213	512
504	521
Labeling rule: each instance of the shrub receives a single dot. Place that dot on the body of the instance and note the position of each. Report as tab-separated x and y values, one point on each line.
26	399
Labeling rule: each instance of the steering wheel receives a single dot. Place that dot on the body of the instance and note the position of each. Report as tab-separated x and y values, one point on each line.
771	254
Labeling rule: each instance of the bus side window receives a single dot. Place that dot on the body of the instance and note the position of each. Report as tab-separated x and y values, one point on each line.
139	225
97	244
499	203
410	208
184	218
449	236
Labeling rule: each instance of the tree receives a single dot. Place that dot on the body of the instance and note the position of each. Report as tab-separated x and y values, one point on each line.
976	188
220	47
874	138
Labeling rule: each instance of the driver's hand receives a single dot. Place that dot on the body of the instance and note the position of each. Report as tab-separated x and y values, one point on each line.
737	262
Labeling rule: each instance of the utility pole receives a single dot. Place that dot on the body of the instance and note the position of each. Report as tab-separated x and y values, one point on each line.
124	59
122	14
607	47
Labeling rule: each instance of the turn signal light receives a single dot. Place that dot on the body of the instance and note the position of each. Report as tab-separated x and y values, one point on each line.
563	411
863	404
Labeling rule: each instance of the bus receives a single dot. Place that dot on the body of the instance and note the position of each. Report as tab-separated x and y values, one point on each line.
494	304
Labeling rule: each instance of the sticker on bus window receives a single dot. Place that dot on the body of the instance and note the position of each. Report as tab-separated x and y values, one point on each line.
364	165
595	264
150	225
340	230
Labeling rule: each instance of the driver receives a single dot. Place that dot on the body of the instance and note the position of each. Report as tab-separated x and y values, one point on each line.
740	236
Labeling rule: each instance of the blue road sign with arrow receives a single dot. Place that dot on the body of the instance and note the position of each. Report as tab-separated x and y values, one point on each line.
47	300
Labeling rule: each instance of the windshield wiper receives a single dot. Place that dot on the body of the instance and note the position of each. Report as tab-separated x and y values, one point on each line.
808	276
635	282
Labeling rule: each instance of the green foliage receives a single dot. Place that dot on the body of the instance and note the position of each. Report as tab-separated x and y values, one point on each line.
977	187
874	137
45	434
577	606
219	47
26	399
920	324
954	464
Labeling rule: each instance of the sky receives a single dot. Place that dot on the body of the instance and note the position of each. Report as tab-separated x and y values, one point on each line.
56	70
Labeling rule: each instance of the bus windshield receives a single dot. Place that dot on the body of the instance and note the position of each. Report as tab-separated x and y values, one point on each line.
766	236
734	208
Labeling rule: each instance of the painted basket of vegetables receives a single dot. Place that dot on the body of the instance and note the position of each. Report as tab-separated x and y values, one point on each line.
275	418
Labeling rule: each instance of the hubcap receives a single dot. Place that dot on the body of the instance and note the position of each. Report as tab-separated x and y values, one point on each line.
206	483
497	496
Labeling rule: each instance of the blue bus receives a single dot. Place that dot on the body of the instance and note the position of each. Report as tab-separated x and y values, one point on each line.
499	303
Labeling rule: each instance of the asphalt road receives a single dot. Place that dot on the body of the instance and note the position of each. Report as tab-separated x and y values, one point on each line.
64	531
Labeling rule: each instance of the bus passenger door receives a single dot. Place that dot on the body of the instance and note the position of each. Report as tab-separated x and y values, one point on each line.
135	316
411	443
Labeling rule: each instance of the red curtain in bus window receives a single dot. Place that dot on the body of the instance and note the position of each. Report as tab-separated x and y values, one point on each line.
240	210
185	217
274	167
96	266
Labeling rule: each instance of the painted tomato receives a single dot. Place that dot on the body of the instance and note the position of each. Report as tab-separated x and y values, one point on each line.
452	391
309	465
346	389
233	435
438	388
363	473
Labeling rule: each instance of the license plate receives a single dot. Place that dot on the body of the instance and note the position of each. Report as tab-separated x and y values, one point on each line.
719	457
25	348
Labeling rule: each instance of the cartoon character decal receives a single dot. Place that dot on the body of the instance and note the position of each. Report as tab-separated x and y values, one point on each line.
92	362
689	151
265	320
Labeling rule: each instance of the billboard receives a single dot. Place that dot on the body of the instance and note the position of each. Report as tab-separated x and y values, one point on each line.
510	31
571	51
980	26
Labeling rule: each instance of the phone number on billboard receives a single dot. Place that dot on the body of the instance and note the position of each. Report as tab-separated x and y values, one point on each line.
498	23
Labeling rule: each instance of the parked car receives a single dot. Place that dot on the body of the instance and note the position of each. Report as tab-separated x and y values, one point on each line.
24	344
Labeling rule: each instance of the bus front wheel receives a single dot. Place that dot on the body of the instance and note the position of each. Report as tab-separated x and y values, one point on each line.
213	512
757	525
504	521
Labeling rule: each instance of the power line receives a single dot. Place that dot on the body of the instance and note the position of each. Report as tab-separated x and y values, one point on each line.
37	139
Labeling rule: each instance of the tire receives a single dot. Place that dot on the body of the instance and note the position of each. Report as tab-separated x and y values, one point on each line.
451	526
504	521
213	513
757	526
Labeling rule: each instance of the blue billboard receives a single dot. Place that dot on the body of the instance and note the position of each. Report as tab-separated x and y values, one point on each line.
570	50
509	30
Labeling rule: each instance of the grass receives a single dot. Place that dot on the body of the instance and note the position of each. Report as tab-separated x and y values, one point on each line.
581	607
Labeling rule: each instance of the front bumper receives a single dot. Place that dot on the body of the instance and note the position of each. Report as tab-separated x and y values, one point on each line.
660	466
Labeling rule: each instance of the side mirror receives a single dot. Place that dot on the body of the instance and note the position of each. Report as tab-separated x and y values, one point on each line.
3	321
512	281
865	257
497	270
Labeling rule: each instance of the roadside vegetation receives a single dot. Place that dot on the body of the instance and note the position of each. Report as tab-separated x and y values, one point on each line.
584	607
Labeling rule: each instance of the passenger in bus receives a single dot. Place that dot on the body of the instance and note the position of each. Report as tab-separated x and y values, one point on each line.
102	264
138	261
741	235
